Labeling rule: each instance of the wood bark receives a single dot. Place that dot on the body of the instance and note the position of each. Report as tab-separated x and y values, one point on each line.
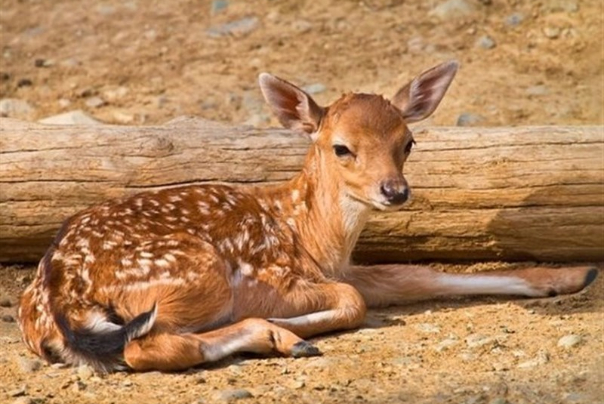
533	193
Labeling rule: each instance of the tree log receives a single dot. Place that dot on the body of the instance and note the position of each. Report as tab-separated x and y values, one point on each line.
530	193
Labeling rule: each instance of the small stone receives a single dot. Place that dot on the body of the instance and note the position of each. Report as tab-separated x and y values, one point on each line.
24	83
515	19
18	109
115	94
486	42
78	386
233	395
314	88
29	365
478	340
85	372
551	32
452	9
302	26
237	28
64	102
541	359
77	117
123	117
7	318
127	383
569	341
5	301
219	6
95	102
17	392
469	119
24	400
445	344
428	328
537	90
555	6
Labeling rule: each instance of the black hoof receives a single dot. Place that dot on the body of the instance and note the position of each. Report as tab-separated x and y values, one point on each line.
304	349
591	276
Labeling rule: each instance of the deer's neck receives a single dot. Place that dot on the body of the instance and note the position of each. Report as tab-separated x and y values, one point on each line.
326	221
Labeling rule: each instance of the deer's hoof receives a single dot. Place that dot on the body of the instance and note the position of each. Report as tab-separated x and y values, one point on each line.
304	349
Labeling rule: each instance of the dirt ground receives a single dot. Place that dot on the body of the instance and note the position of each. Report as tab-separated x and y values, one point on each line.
147	62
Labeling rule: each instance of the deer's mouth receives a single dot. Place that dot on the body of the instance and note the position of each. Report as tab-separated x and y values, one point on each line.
378	204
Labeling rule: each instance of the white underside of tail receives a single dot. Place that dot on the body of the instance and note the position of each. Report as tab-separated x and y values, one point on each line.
453	284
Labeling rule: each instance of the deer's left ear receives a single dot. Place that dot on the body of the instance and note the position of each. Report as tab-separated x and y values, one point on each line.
418	99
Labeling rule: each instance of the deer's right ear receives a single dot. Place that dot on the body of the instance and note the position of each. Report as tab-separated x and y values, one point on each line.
294	108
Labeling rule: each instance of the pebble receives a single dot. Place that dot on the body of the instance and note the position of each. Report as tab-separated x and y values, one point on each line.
515	19
314	88
85	372
428	328
445	344
7	318
569	341
218	6
24	83
64	102
18	109
551	32
541	359
485	42
5	301
76	117
95	102
469	119
554	6
452	9
17	392
24	400
537	90
115	94
236	28
302	26
478	340
233	395
30	365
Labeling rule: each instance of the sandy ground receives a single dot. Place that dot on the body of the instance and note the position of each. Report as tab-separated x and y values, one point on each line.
145	62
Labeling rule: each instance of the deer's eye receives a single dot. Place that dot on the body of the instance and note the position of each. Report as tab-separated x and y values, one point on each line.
341	150
409	146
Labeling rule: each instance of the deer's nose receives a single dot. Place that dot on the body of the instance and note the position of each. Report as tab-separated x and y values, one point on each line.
396	192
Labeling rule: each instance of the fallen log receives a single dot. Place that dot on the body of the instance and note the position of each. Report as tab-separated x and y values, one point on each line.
527	193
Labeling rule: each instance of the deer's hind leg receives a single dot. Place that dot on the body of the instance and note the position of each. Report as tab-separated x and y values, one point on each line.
172	352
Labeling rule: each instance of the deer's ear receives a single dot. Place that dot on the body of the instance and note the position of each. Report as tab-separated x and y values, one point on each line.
294	108
418	99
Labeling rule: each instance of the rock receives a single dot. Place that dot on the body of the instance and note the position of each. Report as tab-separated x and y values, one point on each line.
515	19
537	90
24	83
24	400
451	9
218	6
236	28
127	383
485	42
123	117
17	392
551	32
478	340
30	365
469	119
5	302
14	108
77	117
302	26
95	102
115	94
64	102
85	372
233	395
7	318
445	344
569	341
555	6
541	359
314	88
428	328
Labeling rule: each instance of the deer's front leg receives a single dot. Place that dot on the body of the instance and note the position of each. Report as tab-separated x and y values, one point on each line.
330	307
386	285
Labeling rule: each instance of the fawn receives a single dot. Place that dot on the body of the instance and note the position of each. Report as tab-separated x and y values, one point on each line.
170	279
